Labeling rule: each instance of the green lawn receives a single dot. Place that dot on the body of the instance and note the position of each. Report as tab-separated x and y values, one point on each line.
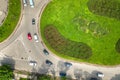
11	20
73	20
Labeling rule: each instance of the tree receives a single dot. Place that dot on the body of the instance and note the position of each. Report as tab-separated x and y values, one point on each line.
117	47
6	73
44	77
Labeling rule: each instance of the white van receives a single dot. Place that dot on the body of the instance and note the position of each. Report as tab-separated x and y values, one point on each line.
25	2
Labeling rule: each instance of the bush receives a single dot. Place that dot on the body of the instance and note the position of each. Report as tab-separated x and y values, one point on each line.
23	79
44	77
65	46
117	47
109	8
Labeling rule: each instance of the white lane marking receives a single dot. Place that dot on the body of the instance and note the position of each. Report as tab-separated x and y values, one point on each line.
21	40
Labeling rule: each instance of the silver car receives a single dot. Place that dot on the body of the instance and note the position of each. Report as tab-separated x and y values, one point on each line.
36	37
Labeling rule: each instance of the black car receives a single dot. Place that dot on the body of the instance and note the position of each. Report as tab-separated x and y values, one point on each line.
33	21
93	79
67	64
45	52
49	62
62	74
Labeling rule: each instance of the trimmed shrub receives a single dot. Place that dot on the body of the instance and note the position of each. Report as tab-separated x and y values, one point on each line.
65	46
109	8
117	47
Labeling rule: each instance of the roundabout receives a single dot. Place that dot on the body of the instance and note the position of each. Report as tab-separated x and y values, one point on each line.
19	50
75	23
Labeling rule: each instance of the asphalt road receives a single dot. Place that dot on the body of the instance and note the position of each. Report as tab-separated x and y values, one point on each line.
21	50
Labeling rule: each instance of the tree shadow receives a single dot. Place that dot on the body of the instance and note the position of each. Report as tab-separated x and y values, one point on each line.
116	77
8	61
69	77
62	66
43	69
78	73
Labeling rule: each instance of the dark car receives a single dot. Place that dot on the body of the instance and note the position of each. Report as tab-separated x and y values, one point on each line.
67	64
93	79
33	21
45	52
49	62
62	74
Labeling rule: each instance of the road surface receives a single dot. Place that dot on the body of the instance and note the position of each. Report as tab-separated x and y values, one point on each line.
21	50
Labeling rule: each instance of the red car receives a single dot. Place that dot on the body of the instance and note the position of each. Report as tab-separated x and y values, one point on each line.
29	36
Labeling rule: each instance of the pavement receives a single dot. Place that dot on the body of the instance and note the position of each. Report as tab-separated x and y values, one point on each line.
18	50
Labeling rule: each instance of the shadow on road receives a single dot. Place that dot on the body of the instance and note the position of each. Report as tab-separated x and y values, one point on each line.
116	77
8	61
62	66
43	69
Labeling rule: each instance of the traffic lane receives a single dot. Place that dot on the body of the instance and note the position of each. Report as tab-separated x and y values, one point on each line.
31	49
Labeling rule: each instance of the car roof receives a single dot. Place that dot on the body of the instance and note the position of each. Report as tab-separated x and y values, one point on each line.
67	63
48	61
62	74
45	52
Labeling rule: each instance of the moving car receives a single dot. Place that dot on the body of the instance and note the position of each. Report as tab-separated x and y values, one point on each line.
32	63
67	64
45	52
29	36
49	62
36	37
33	21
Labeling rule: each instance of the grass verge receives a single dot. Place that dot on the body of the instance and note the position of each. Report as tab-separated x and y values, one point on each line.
14	10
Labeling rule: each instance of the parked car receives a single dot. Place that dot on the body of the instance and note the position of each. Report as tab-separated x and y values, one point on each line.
45	52
29	36
67	64
36	37
25	2
33	21
93	78
62	74
100	74
49	62
32	63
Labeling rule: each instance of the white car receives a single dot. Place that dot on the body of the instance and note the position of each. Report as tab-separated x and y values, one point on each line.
32	63
25	2
99	74
36	37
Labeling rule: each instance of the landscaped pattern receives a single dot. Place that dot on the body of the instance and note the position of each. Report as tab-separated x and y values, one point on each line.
110	8
76	21
14	10
65	46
